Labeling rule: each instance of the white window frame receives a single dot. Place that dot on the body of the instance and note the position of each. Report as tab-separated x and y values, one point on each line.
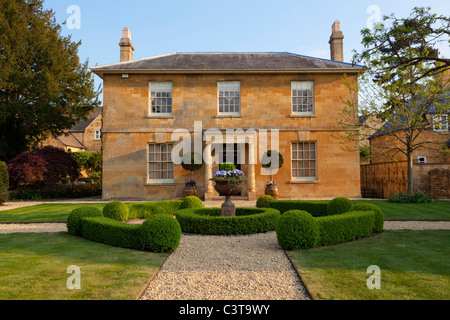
157	89
149	160
98	135
297	85
441	122
230	85
308	178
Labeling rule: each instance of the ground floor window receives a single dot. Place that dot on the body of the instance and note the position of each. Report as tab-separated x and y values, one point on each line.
160	165
304	161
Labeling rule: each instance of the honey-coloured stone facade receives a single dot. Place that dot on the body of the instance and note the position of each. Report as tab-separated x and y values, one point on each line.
128	127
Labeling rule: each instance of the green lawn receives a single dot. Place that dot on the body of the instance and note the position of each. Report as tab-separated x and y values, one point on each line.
52	212
34	266
437	210
414	265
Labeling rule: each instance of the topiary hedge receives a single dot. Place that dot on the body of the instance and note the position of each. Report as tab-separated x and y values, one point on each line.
264	201
338	206
74	219
379	216
191	202
209	221
92	225
116	210
297	229
315	208
345	227
147	209
161	233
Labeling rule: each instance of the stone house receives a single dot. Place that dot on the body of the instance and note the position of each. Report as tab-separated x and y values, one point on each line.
83	136
296	98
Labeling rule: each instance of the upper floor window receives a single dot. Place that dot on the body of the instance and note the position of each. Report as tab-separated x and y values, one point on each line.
441	122
161	98
229	93
98	134
302	97
304	161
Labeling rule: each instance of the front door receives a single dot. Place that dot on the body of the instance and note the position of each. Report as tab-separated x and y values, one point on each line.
231	152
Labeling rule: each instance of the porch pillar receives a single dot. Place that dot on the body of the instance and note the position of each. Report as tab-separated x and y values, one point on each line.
251	179
209	187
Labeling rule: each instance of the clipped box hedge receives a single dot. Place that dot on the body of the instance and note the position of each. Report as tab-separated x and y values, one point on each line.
209	221
147	209
316	208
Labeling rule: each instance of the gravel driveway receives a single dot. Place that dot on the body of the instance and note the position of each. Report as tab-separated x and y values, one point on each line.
227	268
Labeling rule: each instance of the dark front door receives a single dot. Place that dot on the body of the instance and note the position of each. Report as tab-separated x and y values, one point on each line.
231	152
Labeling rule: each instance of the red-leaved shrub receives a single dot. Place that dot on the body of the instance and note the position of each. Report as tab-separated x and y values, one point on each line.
41	168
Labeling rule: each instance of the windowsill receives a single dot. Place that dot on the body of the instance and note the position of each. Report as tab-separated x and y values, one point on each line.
302	116
154	116
161	183
221	116
303	181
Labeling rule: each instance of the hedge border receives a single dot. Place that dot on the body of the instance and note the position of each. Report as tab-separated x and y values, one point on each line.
208	221
316	208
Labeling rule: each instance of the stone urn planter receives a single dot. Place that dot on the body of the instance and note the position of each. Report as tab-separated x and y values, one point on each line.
272	191
228	188
190	191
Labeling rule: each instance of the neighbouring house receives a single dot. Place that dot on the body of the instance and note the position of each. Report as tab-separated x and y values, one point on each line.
386	174
83	136
146	100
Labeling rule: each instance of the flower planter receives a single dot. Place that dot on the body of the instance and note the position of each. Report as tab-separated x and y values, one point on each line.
228	188
272	191
190	191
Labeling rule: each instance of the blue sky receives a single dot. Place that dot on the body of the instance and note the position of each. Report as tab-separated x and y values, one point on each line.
160	27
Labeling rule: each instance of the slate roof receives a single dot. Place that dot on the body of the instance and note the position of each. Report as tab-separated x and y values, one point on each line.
228	61
82	125
71	141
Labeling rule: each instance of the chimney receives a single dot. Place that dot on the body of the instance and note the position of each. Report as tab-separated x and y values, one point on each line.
126	46
336	43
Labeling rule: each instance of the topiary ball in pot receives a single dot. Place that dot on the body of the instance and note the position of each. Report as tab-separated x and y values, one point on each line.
338	206
160	233
264	201
116	210
191	202
297	229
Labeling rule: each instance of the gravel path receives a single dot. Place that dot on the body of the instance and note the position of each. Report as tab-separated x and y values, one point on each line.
32	227
227	268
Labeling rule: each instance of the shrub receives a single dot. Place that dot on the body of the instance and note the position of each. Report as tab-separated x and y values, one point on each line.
160	233
416	197
191	202
264	201
116	210
297	229
315	208
338	206
379	216
74	219
147	209
41	168
209	221
112	232
227	166
4	182
345	227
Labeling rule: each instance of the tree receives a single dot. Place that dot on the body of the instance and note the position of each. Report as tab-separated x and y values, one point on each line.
192	162
266	161
44	88
43	168
402	86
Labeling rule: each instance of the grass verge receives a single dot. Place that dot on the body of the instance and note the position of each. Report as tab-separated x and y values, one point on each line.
415	265
34	267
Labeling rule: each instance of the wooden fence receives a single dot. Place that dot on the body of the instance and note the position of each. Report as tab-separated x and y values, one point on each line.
382	180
